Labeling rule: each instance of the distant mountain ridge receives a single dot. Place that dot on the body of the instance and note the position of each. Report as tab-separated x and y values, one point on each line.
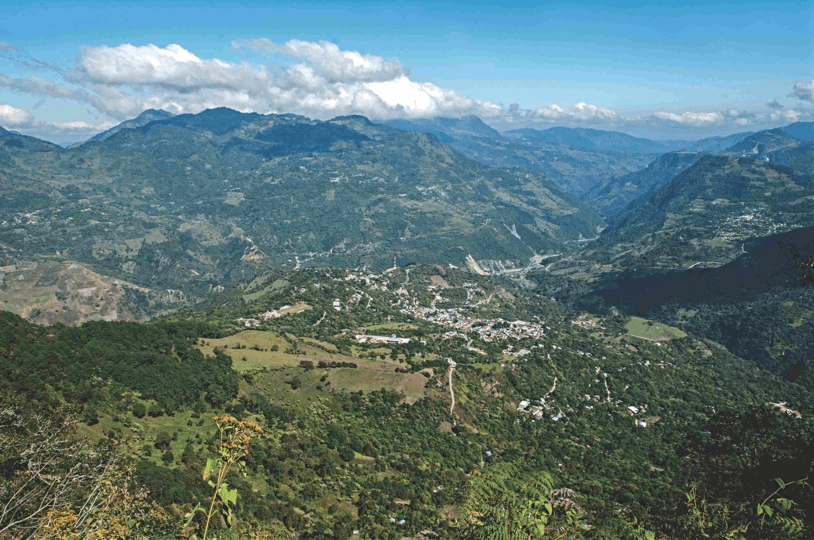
715	144
792	146
803	131
701	218
198	201
594	139
150	115
446	129
575	169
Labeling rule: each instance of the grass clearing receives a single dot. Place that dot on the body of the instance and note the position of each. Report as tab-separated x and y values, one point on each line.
653	331
254	359
390	326
411	384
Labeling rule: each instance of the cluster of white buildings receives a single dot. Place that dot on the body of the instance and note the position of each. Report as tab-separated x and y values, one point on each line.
392	340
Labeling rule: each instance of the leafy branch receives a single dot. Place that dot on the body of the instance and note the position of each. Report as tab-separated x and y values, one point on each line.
234	446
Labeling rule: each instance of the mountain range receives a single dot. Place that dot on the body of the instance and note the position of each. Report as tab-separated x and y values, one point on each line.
166	210
195	202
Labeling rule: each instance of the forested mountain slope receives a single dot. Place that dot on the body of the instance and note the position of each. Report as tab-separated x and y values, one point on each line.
612	196
195	202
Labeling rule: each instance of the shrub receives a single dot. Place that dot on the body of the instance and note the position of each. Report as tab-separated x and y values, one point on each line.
155	410
139	410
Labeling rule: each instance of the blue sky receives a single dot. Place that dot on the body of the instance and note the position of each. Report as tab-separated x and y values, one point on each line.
657	68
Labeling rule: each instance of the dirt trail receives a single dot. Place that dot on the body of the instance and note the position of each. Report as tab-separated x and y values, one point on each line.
322	318
545	397
451	391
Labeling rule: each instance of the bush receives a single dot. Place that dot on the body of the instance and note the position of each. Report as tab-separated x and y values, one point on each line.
162	440
139	410
346	453
90	417
155	410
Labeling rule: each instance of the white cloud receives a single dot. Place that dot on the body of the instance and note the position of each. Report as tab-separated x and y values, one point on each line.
125	80
588	111
43	87
691	118
77	127
803	91
331	63
789	115
171	66
550	112
12	116
731	117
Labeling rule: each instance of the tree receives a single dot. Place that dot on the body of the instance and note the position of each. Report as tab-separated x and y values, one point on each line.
155	410
58	486
163	440
139	410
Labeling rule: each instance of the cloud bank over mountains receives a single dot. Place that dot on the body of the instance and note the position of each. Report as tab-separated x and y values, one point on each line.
315	79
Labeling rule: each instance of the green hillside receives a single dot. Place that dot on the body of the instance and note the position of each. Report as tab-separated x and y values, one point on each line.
359	435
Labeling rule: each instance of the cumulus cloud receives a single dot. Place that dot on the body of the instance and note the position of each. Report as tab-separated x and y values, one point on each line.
15	117
803	91
691	118
789	115
730	117
77	126
171	66
125	80
12	116
577	113
588	111
329	62
550	112
318	80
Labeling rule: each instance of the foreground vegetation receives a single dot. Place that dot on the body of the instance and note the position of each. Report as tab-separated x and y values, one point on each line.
126	430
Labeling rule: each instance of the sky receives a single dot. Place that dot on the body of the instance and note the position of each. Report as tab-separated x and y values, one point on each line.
656	69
